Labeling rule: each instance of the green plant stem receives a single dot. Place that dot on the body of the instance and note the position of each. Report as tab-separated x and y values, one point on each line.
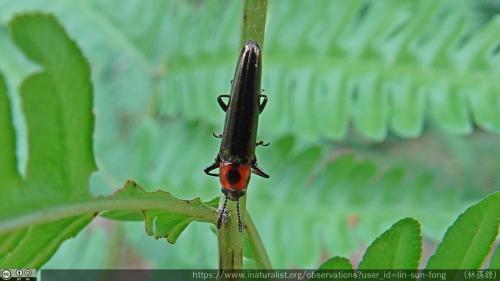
253	235
254	22
229	238
110	203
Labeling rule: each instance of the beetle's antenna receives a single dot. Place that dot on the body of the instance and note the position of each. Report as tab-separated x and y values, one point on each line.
222	213
240	225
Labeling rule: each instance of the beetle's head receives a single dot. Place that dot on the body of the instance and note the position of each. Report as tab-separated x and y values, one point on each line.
234	178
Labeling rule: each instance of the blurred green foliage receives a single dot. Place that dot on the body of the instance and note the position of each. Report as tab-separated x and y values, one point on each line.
349	83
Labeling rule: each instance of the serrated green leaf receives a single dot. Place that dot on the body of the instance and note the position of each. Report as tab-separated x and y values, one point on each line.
161	223
468	241
168	226
57	104
165	216
336	263
60	122
130	198
398	248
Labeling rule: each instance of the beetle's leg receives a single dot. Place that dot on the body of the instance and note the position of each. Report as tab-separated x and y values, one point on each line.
222	213
212	167
262	105
262	143
219	136
222	104
240	224
258	170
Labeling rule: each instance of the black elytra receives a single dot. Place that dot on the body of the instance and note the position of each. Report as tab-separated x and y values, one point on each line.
236	158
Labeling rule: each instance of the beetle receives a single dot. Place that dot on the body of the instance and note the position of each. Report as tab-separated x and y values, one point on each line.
236	158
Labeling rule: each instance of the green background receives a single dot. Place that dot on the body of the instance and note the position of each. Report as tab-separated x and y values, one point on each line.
377	111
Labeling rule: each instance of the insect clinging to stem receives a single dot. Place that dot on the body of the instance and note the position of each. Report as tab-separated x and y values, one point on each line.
236	158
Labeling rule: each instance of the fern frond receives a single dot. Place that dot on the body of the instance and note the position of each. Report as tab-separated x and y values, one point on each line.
335	201
379	65
384	65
